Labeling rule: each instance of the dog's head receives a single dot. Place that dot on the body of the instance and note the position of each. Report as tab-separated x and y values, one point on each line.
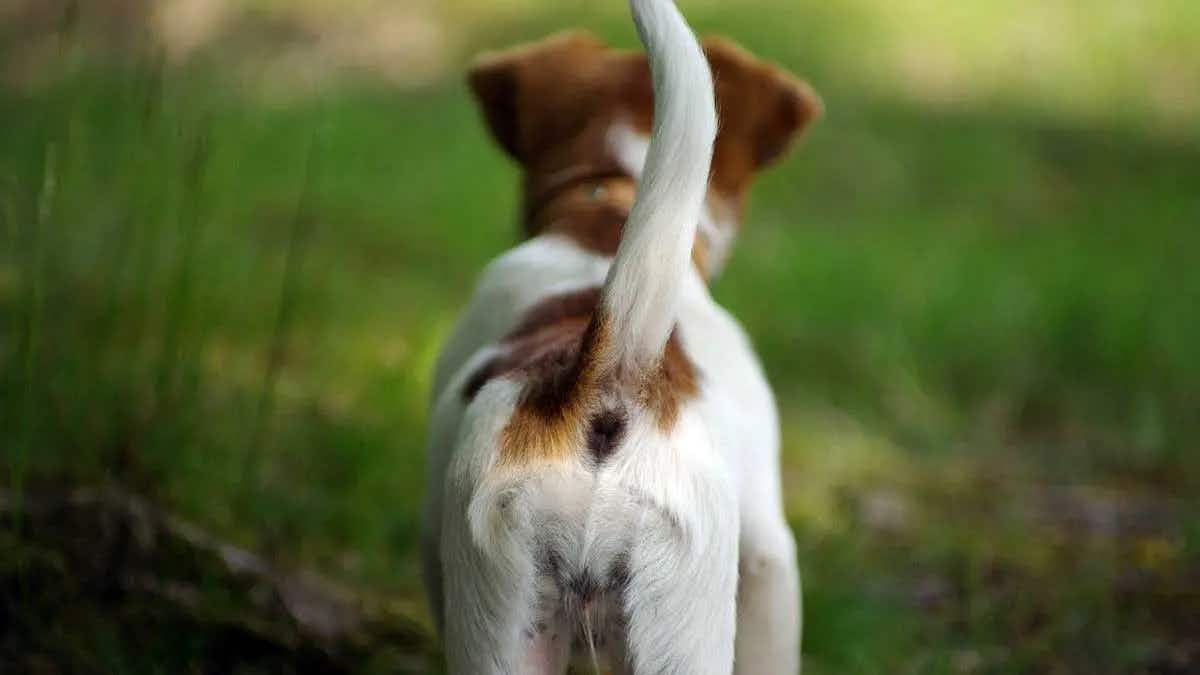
569	108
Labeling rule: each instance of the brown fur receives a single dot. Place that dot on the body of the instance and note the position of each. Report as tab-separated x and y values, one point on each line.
762	108
591	212
558	350
548	421
554	310
675	382
551	103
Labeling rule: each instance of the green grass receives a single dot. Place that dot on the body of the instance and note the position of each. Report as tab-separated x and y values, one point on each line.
982	320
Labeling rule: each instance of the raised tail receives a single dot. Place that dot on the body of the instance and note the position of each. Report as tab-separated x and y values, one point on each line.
641	294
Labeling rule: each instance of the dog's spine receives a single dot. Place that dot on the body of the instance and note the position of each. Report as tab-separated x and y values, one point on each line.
641	294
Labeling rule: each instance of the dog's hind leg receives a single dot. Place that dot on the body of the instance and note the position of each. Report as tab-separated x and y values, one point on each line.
494	619
768	625
680	598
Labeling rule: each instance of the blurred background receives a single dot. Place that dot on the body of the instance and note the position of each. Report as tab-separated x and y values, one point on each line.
233	234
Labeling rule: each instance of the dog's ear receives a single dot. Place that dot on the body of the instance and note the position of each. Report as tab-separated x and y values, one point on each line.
762	107
517	88
493	79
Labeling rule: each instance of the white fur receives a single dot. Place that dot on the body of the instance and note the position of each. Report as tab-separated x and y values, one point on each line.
667	502
735	413
689	510
628	147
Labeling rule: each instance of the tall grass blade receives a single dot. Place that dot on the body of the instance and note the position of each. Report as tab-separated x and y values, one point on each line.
31	330
179	299
260	436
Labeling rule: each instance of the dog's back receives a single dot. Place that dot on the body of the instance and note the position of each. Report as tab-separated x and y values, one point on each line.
589	418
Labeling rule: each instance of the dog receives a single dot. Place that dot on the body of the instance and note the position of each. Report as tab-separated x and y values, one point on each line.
603	482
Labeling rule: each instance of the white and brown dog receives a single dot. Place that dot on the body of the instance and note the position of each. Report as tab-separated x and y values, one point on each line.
603	460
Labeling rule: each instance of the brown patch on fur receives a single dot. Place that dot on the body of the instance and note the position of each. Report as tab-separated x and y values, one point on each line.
532	355
675	382
548	421
762	108
558	349
577	305
550	105
554	348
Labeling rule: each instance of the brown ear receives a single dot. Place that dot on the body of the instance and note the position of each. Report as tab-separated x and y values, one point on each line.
493	79
761	104
796	107
514	86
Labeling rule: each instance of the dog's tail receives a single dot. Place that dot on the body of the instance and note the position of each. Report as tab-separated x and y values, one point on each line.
641	294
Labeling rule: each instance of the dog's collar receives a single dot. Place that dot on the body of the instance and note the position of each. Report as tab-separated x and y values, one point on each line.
590	204
590	208
543	192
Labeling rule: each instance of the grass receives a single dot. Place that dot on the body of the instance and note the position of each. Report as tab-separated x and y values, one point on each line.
980	316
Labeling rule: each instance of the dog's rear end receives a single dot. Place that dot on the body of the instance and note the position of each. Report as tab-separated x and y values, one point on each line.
584	507
583	503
